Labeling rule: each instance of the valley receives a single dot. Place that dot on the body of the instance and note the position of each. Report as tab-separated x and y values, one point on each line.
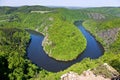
43	43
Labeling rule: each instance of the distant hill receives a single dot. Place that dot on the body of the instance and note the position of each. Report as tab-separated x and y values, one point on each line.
25	9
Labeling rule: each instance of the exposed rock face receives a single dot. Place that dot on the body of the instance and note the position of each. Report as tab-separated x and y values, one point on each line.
96	16
86	75
51	19
106	70
70	76
91	75
111	69
109	36
42	12
45	42
116	78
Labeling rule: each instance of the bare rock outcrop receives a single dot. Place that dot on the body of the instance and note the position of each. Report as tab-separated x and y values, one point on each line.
109	36
86	75
96	16
106	70
92	75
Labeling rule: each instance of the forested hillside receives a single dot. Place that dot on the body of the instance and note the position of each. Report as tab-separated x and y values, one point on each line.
57	26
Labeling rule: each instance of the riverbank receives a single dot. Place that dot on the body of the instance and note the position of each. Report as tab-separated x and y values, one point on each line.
15	65
37	54
106	32
63	41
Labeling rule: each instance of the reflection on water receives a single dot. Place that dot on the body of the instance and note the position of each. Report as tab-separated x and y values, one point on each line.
37	55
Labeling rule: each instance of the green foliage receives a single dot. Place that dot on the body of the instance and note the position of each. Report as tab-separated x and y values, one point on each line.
66	42
93	25
85	64
111	11
115	47
98	26
64	38
73	15
13	62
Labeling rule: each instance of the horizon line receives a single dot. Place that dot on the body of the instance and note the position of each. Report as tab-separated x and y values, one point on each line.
57	6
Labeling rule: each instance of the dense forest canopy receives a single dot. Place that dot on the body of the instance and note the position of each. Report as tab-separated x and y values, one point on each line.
14	40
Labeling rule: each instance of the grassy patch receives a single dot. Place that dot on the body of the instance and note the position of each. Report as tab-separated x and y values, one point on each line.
65	41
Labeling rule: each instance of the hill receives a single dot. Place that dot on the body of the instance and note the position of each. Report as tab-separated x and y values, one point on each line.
59	29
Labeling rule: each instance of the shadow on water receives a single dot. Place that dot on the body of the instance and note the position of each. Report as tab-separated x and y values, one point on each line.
38	56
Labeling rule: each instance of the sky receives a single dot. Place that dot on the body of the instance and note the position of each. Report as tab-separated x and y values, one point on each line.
72	3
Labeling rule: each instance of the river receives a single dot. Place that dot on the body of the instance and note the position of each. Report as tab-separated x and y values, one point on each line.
38	56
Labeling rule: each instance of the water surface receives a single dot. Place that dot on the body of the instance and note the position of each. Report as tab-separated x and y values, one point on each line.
38	56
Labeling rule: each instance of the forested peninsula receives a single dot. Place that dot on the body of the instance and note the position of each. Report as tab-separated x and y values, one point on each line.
63	41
